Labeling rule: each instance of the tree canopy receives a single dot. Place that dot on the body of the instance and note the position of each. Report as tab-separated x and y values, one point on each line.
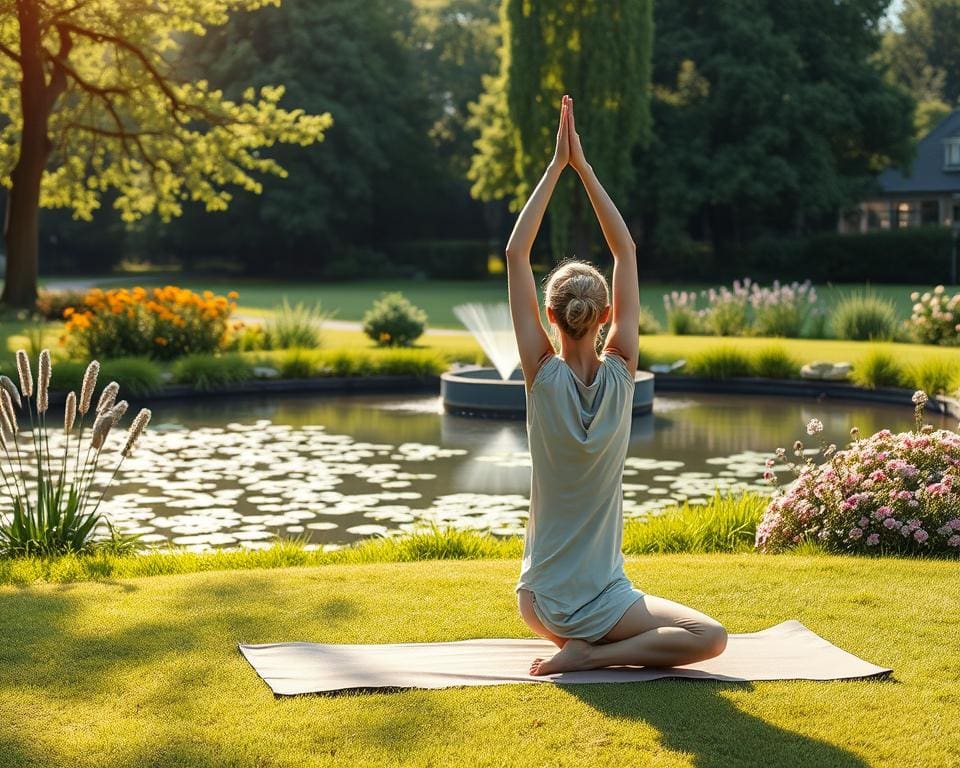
599	53
95	99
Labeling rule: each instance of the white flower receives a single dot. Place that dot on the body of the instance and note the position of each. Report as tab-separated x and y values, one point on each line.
920	397
814	427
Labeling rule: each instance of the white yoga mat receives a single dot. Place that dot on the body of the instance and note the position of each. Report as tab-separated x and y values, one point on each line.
786	651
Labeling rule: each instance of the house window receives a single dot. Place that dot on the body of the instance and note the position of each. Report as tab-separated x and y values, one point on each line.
930	212
951	154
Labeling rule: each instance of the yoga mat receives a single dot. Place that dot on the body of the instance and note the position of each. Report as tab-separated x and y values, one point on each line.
786	651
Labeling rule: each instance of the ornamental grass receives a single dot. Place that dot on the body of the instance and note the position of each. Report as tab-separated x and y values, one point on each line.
54	496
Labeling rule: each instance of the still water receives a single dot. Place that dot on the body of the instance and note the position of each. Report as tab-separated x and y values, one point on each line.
338	468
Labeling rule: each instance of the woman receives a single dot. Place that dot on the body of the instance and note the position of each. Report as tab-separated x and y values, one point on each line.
572	587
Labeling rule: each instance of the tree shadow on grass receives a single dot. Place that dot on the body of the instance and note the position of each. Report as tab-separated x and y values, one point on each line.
693	716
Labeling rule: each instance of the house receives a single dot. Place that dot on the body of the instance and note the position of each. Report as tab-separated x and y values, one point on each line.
928	194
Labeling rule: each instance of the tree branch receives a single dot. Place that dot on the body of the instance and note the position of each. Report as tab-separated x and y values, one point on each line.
9	53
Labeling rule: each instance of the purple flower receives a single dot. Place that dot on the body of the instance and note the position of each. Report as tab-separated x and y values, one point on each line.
855	533
890	522
873	538
864	522
921	535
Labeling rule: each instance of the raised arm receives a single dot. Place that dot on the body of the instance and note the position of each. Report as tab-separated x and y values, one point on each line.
624	334
532	339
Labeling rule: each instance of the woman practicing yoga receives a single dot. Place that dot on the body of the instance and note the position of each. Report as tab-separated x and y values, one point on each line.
572	587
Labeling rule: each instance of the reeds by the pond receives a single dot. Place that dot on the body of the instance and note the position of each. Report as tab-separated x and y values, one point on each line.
54	500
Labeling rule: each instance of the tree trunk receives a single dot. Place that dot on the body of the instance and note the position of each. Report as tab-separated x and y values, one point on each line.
23	201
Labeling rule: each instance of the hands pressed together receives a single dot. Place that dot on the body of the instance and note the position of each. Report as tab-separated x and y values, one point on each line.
568	151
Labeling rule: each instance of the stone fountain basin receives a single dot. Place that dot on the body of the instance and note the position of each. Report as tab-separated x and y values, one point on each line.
475	390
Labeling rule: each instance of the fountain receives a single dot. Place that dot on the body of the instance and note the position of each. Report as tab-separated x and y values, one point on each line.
499	392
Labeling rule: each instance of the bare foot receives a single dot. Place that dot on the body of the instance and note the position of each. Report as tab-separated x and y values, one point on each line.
574	655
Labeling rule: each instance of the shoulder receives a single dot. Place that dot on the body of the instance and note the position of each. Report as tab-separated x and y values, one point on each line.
545	365
613	358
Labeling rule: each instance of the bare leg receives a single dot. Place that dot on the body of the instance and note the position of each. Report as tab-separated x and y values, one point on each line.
654	632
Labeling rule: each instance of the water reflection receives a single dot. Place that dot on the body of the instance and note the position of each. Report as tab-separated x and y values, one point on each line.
336	468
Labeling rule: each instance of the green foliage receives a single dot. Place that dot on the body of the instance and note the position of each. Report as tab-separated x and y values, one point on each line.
54	495
139	375
774	362
298	363
819	122
162	323
921	50
295	326
208	372
648	322
864	316
122	113
879	368
443	259
394	321
726	523
935	375
904	255
599	53
723	361
51	304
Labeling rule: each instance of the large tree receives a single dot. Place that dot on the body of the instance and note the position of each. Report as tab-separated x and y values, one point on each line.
383	68
95	99
598	52
769	116
923	49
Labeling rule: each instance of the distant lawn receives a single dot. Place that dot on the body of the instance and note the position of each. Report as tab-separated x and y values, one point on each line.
146	672
438	297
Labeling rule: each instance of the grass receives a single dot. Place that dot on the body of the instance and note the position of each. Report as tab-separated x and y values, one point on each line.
438	297
726	523
146	671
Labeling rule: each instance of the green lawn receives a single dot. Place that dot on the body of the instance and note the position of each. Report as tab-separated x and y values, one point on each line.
438	297
145	672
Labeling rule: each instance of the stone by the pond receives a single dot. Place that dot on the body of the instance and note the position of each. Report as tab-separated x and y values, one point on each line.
826	371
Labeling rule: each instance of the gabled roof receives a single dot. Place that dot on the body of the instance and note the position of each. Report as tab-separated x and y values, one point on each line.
926	173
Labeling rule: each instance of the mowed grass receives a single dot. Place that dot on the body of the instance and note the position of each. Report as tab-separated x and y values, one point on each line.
146	671
438	297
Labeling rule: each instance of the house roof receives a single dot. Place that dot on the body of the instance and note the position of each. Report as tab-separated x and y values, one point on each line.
927	174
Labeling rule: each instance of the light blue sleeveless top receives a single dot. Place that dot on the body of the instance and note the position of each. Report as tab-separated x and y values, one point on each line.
578	436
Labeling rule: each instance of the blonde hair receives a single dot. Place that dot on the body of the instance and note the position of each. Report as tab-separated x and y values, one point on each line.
577	292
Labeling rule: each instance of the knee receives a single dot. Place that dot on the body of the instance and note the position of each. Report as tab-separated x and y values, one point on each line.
715	638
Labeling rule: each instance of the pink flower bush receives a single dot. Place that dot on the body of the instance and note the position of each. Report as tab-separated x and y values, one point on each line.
936	317
887	493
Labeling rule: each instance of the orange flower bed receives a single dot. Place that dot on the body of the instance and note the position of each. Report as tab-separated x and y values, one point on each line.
163	323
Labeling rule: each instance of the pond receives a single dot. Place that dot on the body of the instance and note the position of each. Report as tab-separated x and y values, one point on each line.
236	472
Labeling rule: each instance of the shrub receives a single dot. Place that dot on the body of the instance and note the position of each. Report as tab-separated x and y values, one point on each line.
864	316
442	259
409	362
936	375
163	323
886	494
648	322
51	304
720	362
878	368
295	326
246	338
297	364
935	318
206	372
774	362
140	375
782	310
394	321
54	502
683	317
726	313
